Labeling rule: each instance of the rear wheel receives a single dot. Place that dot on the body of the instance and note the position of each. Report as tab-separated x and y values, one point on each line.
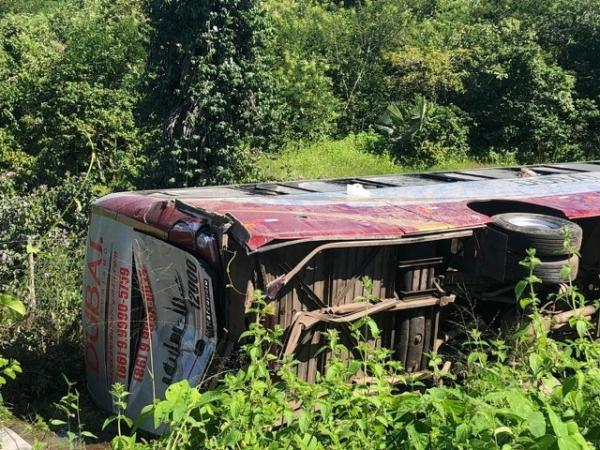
547	234
550	271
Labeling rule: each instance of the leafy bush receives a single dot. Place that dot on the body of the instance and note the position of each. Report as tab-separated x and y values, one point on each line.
529	392
11	308
520	99
429	69
67	79
309	108
516	69
305	103
346	44
424	134
566	30
42	238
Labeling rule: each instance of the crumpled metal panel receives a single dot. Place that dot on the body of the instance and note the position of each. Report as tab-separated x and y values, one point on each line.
265	223
380	213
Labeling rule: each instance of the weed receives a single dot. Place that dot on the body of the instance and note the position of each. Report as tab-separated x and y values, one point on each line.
529	392
73	428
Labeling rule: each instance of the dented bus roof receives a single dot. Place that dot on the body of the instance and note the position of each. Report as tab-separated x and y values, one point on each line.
374	207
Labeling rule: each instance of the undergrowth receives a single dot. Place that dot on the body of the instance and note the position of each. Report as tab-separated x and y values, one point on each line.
529	391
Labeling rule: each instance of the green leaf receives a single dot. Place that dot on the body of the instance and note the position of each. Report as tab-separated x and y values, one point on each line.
581	326
536	422
525	302
568	385
394	111
304	421
417	440
568	443
535	362
210	397
558	426
13	303
545	442
462	432
108	421
87	434
32	249
520	288
148	409
373	328
231	437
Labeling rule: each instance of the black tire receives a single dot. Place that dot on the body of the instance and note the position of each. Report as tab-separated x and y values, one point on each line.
544	233
549	271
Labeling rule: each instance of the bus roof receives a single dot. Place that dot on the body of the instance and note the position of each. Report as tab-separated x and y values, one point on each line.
374	207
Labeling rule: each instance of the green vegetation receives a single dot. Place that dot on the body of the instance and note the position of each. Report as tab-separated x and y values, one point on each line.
67	89
153	92
357	154
529	391
104	95
352	156
206	90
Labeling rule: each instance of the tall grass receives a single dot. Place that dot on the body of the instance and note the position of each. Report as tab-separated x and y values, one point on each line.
355	155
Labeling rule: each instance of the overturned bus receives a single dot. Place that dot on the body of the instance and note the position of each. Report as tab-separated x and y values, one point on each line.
170	274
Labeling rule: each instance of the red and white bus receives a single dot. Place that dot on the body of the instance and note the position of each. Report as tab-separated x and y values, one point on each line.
170	274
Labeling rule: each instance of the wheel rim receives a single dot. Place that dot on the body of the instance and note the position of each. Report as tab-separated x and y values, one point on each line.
534	222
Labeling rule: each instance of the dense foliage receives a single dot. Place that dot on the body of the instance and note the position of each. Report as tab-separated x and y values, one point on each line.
182	93
530	391
67	90
41	252
207	91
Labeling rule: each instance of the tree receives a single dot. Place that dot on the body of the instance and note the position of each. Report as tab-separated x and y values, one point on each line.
67	78
354	41
520	99
207	90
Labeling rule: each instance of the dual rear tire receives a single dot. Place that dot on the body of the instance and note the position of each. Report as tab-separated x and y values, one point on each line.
556	241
